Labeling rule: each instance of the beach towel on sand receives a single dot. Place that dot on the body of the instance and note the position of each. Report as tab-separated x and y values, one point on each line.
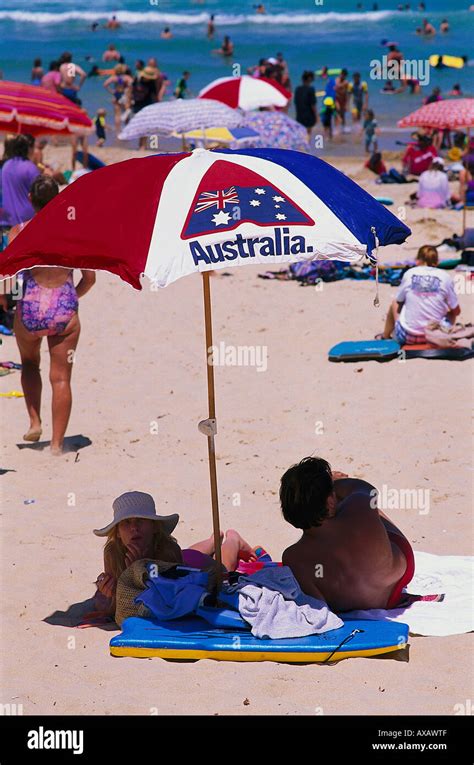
451	575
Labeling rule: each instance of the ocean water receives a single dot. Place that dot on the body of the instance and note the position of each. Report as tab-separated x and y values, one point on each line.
310	34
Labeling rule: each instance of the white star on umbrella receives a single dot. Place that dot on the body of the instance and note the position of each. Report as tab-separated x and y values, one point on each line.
260	191
254	202
280	216
278	199
277	205
221	218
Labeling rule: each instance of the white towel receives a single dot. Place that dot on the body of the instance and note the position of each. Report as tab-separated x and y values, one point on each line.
271	616
452	575
272	602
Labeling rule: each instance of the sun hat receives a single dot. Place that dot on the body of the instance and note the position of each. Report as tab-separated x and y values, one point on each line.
137	504
438	161
149	73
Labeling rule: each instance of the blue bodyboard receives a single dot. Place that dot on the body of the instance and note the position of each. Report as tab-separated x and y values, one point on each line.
192	638
365	350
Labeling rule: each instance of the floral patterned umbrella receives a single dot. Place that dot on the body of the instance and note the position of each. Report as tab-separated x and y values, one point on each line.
276	131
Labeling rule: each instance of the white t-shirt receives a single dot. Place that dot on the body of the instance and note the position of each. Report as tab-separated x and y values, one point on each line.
427	295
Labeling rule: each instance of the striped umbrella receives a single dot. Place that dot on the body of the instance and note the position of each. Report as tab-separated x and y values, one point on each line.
451	114
36	110
276	131
178	117
176	214
247	92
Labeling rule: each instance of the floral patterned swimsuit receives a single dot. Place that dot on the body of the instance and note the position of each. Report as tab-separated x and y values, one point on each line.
47	310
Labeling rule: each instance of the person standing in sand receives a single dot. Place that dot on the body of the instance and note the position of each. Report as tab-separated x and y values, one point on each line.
350	554
48	307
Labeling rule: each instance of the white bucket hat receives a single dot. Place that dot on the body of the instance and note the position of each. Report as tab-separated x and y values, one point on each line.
137	504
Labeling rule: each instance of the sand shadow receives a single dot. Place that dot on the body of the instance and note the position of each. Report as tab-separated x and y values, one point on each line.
6	470
71	444
75	615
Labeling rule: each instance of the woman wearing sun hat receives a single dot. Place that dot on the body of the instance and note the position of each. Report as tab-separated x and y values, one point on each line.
138	532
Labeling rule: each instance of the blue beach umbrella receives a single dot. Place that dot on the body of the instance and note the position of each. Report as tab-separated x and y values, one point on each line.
172	215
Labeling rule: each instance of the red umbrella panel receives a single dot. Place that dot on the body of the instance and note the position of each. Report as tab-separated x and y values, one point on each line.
38	111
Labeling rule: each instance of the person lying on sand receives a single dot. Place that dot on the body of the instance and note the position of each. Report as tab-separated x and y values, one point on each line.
137	532
350	554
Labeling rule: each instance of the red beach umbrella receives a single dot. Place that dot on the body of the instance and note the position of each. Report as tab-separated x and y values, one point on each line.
38	111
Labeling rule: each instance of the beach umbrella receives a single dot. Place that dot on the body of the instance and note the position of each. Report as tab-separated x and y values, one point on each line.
276	131
38	111
235	137
172	215
180	116
247	92
450	114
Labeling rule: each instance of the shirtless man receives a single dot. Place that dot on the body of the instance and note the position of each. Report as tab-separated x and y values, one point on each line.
69	71
350	554
342	96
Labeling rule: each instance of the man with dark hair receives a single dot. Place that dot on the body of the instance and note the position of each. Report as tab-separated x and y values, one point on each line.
305	102
350	554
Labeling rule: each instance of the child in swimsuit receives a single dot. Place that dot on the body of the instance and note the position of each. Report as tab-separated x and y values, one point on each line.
48	308
137	532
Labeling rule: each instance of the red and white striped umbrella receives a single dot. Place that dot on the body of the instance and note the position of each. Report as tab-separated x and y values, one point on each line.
247	92
36	110
451	114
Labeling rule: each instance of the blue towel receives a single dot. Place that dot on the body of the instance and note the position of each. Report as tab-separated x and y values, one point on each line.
171	598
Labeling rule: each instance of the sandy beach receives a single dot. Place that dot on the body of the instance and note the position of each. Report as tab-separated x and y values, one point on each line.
141	363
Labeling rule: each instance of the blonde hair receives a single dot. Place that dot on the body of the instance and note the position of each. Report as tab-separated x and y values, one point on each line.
428	255
165	547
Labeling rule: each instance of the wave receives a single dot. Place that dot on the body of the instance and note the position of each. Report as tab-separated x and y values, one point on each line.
223	19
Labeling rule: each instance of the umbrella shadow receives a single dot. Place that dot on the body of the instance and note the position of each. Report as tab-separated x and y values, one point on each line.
7	470
71	444
76	614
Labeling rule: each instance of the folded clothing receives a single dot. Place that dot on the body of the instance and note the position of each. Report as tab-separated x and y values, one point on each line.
272	602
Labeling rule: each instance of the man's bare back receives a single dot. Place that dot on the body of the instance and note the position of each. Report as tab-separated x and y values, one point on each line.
349	560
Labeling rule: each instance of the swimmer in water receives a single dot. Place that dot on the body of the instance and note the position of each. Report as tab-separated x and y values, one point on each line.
428	29
444	26
166	34
227	48
113	23
211	28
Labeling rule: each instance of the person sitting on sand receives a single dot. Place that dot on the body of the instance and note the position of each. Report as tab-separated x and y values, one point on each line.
48	306
137	532
426	294
433	187
350	554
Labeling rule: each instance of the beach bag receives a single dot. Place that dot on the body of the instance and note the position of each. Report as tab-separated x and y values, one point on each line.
131	583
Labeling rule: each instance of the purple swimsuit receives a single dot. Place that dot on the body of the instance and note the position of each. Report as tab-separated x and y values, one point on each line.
47	310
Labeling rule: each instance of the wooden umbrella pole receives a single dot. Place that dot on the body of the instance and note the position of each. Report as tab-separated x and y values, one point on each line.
209	428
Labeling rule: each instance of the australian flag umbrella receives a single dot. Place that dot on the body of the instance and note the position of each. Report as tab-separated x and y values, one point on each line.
167	216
